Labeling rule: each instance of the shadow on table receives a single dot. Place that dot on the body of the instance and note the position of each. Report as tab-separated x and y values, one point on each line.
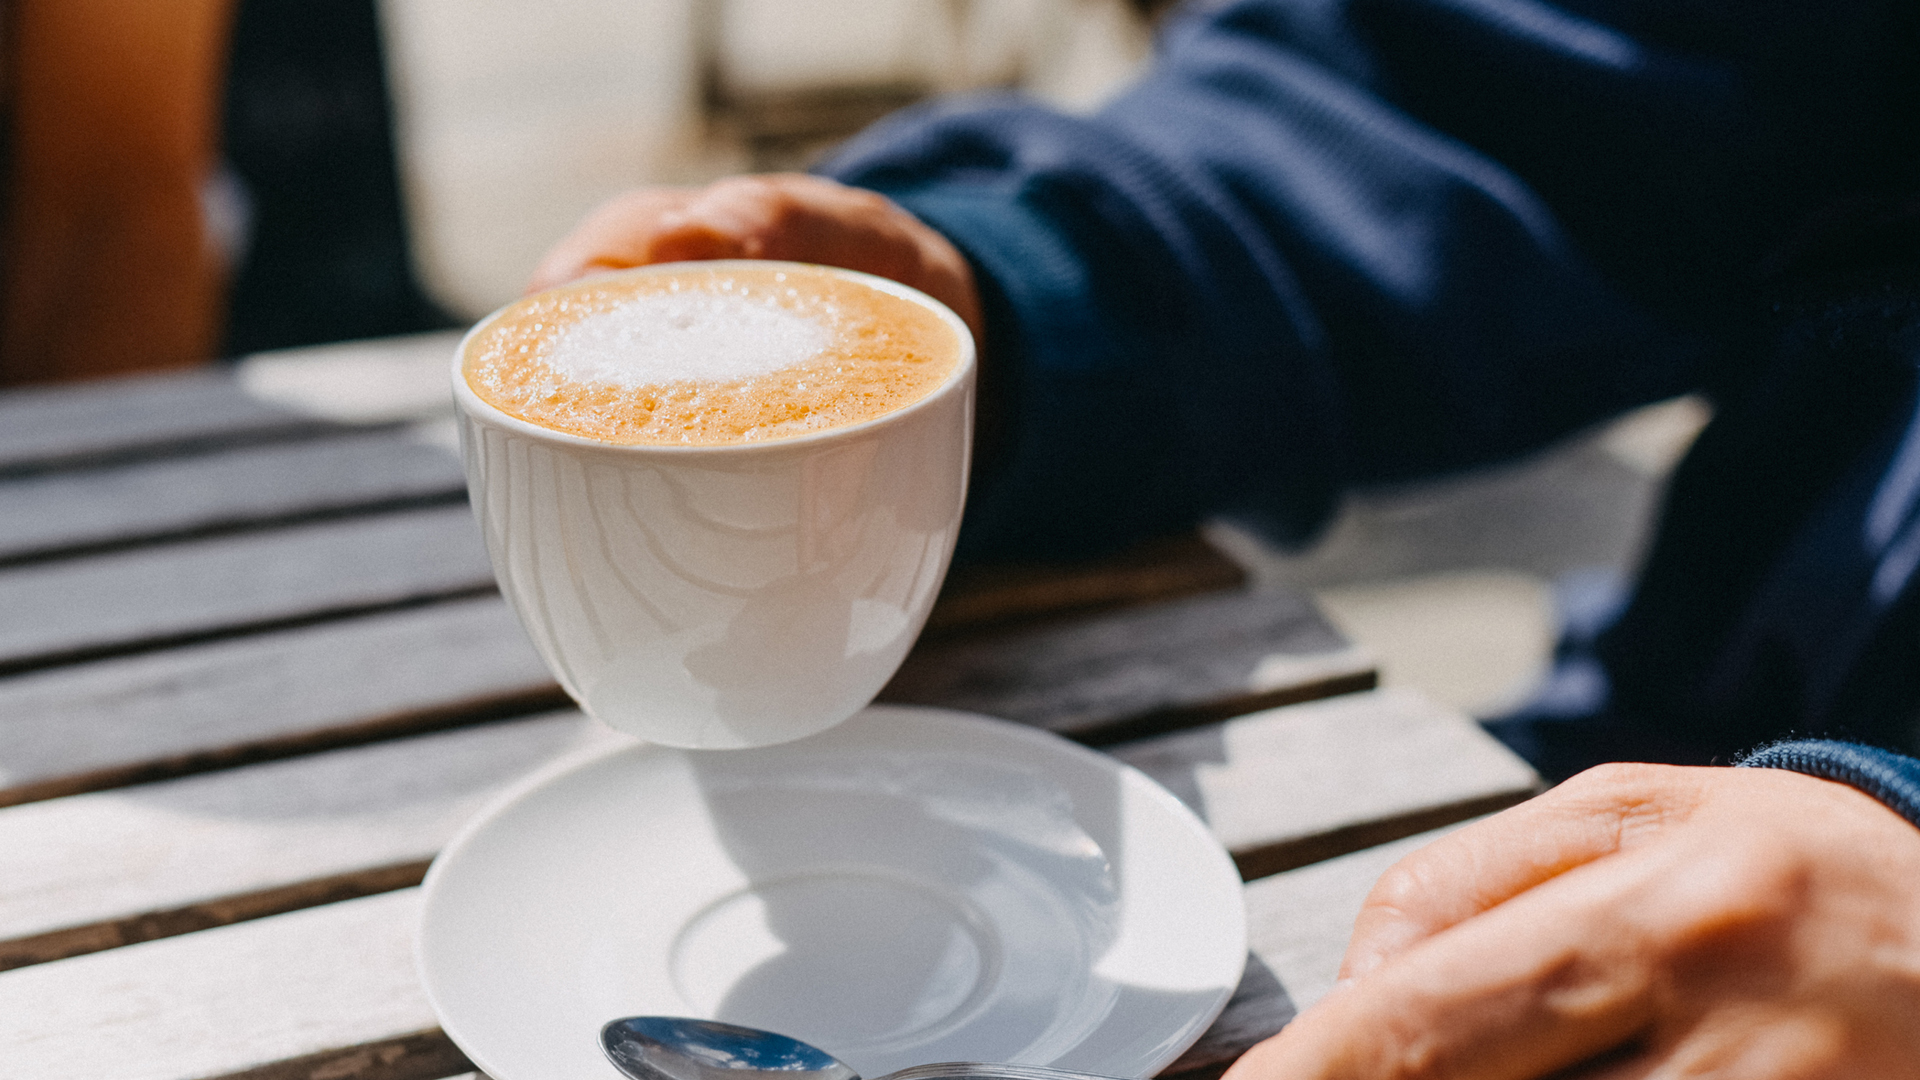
1259	1008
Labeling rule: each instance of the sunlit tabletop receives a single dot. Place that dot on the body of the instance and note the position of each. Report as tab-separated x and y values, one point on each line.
254	674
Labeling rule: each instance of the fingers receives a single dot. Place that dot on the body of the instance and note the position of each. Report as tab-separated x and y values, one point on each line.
1470	871
618	234
1714	922
782	216
745	217
809	219
1555	977
802	218
730	219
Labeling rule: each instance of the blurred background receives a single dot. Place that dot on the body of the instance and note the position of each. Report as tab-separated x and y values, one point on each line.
197	178
514	118
189	179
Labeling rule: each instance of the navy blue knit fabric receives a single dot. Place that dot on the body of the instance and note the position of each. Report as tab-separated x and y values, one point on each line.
1327	243
1330	243
1892	778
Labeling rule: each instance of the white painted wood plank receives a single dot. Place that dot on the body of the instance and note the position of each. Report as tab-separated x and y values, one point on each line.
52	423
207	585
362	382
236	997
44	513
103	856
1270	777
88	718
118	854
1139	664
68	728
220	1000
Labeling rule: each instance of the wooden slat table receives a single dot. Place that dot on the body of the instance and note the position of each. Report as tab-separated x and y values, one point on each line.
254	674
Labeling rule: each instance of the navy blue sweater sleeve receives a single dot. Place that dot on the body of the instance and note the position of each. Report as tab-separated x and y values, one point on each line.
1892	778
1323	244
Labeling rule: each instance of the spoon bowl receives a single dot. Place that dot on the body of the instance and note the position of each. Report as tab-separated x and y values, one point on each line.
682	1048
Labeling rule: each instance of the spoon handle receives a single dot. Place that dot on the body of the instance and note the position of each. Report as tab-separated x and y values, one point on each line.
987	1070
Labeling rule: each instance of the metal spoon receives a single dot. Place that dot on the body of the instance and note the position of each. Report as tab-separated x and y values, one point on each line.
678	1048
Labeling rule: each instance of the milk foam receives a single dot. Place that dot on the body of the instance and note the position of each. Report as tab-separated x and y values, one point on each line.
662	338
709	355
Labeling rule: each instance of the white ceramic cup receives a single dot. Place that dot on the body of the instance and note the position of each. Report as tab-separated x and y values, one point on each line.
717	597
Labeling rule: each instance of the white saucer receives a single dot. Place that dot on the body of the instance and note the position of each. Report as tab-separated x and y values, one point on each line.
916	885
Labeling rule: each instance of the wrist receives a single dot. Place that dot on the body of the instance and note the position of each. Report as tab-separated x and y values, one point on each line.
1893	779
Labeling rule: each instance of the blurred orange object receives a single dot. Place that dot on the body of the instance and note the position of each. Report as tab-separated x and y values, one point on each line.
114	108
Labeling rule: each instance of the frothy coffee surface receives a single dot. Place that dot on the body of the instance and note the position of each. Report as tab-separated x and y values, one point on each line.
707	356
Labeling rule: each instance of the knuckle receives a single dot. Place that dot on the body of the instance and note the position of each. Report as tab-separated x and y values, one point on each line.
747	184
1632	799
1419	1053
1402	885
1613	775
639	203
868	200
1736	907
759	192
1758	881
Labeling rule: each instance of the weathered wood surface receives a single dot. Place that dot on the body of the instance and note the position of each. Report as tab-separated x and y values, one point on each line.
272	396
107	862
77	512
66	425
981	597
92	871
88	727
66	611
1292	786
220	1000
1126	674
275	639
226	1001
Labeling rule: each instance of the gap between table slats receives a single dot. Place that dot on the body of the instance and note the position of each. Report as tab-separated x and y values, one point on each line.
1308	949
150	598
349	682
151	501
977	598
1278	788
189	1004
1297	921
270	397
270	429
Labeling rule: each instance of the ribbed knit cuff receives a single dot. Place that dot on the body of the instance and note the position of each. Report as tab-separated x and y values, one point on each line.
1892	778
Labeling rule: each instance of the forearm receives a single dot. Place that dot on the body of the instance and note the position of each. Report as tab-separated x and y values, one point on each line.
1312	248
1255	275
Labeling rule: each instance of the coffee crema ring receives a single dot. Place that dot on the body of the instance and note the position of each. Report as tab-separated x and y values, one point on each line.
708	356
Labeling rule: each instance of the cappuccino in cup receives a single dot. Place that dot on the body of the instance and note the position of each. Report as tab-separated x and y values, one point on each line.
720	496
708	356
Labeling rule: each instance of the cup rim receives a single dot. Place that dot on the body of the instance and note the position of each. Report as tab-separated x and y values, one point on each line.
473	405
